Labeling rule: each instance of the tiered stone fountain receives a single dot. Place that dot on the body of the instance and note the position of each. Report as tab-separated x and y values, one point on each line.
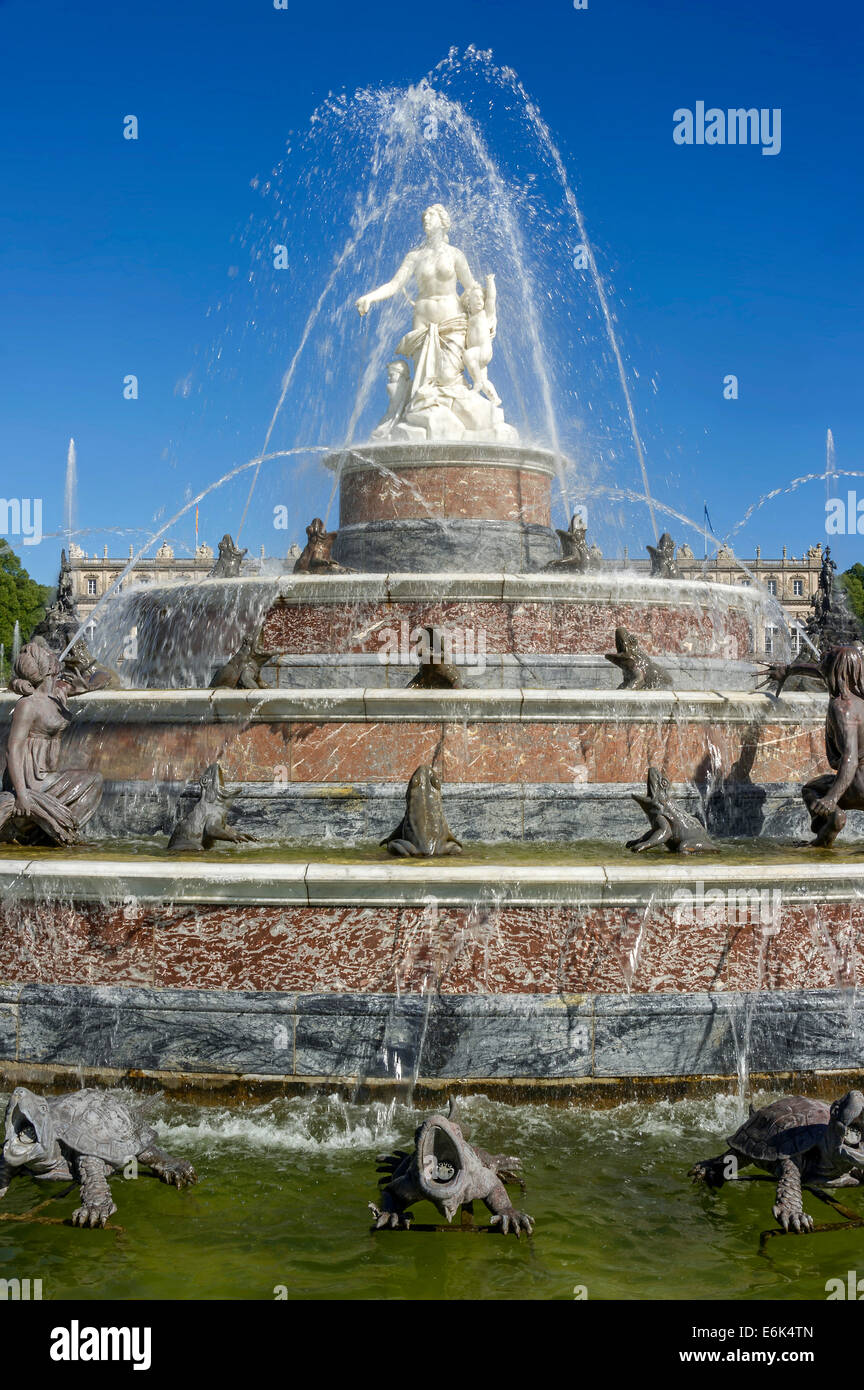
546	964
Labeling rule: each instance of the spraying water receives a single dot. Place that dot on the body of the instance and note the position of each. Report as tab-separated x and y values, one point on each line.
830	464
342	210
70	494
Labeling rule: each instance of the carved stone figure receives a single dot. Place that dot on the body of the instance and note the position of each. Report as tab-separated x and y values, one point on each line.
480	307
450	333
85	673
242	671
205	823
831	623
59	627
61	621
671	826
447	1171
663	563
39	803
230	560
83	1137
423	830
315	557
398	394
639	671
799	1141
435	673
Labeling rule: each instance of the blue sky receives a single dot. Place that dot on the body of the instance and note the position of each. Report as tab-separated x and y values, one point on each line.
720	260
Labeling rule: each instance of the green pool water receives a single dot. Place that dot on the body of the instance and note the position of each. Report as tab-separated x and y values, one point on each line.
282	1198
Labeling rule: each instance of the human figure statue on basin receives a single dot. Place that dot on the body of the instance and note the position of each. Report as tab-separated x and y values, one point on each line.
40	802
450	332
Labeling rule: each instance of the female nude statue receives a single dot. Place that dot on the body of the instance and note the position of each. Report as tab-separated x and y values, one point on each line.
39	802
440	403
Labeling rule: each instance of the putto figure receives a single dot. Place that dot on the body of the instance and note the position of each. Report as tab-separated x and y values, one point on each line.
450	333
39	803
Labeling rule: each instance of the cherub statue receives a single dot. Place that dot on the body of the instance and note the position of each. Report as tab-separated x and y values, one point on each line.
482	326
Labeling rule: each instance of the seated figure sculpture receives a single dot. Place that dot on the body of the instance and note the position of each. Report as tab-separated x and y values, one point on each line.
40	803
829	796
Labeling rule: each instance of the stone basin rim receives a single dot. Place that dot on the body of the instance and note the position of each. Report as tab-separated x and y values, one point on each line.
359	458
373	704
501	586
314	883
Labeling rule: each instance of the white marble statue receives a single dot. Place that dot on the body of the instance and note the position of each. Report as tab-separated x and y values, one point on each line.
451	334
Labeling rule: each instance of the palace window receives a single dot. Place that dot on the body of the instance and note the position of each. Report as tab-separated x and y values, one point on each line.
92	585
772	586
798	588
770	640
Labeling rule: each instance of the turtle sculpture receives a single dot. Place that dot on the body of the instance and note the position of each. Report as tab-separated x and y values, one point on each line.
800	1141
82	1137
447	1171
671	826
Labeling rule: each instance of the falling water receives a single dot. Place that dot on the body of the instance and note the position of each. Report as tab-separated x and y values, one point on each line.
16	642
545	137
345	204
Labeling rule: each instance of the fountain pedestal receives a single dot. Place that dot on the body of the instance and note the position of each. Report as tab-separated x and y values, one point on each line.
445	506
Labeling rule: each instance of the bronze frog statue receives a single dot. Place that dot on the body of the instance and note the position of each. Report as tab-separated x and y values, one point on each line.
205	822
423	830
639	671
680	832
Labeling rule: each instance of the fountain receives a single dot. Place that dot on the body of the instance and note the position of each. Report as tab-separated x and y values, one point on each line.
314	958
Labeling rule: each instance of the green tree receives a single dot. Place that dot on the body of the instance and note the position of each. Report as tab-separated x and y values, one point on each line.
852	581
22	600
